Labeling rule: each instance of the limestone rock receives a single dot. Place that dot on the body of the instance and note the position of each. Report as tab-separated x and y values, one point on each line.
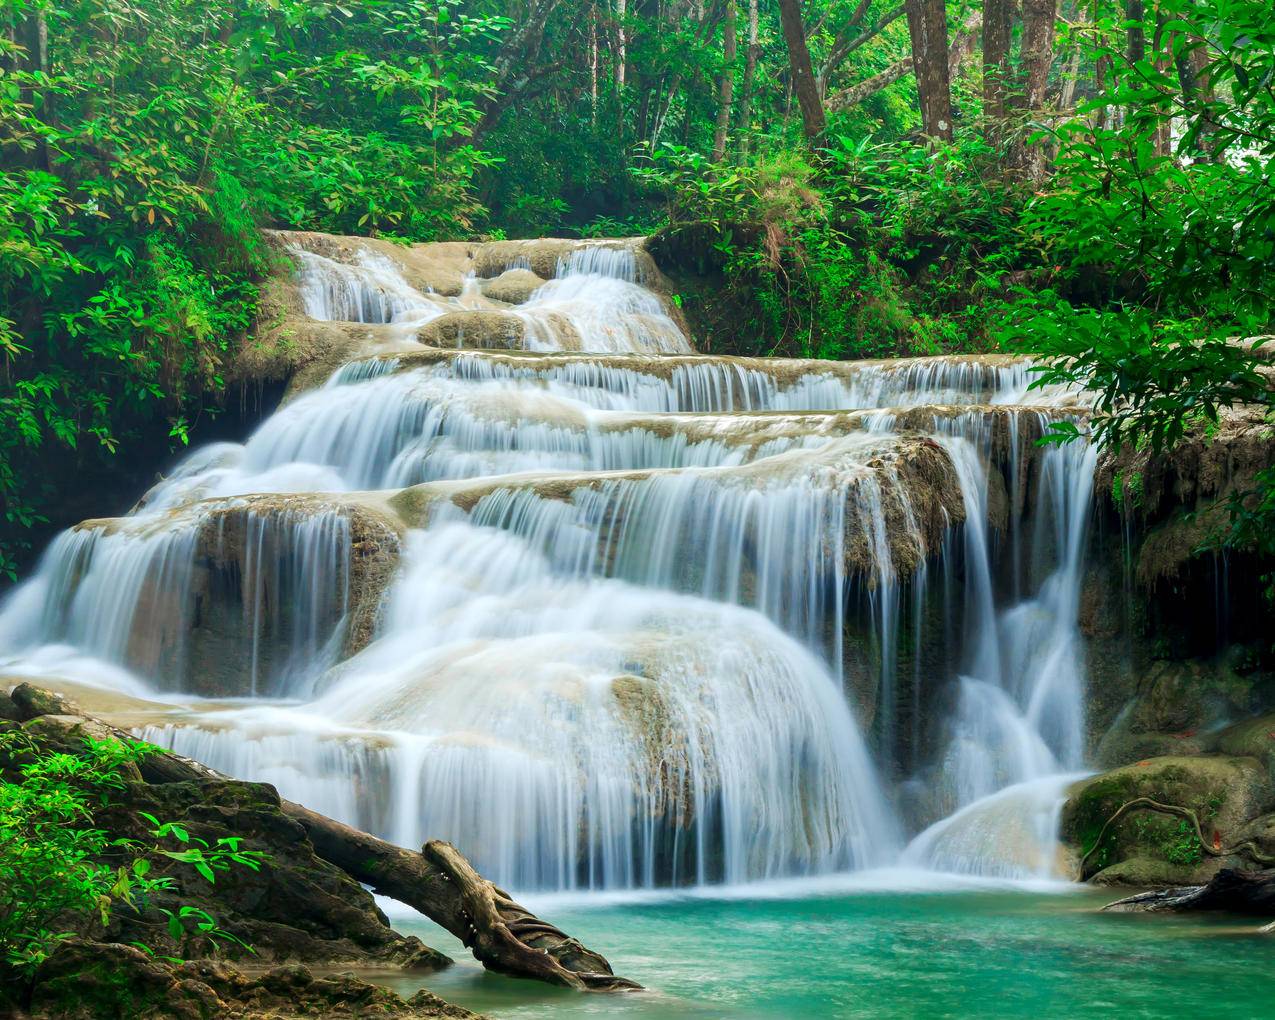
514	286
1254	737
1176	704
1223	792
488	330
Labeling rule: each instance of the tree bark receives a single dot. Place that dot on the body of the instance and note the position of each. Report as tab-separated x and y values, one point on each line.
1039	18
442	885
725	84
927	26
813	120
1037	49
997	26
750	76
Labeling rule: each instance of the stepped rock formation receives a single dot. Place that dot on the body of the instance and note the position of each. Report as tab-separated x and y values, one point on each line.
513	567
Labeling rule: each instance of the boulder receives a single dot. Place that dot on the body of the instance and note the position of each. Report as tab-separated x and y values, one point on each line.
86	980
1175	706
31	701
1254	738
482	329
513	287
1222	793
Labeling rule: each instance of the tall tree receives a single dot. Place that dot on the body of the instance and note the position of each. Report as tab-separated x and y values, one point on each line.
997	29
1039	20
621	44
927	25
750	80
725	84
1037	55
803	75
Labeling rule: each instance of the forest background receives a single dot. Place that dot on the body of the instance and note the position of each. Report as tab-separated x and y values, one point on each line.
844	178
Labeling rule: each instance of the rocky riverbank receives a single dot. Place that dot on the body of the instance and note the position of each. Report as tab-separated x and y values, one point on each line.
298	910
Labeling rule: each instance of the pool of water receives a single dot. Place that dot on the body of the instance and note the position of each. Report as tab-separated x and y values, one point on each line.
872	952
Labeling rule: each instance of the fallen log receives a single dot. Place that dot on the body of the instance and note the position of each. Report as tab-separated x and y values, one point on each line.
440	883
1236	892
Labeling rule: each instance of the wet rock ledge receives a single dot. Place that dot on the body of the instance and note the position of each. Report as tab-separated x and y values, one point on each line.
305	907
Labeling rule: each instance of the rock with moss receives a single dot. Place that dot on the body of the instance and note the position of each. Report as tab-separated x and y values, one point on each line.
1146	845
85	980
1254	737
1174	708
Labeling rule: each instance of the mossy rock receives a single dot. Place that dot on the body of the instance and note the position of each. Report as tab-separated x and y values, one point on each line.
1224	792
1176	703
1141	872
106	981
1261	833
1254	737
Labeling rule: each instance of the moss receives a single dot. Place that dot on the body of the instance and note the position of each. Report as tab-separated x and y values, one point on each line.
1223	792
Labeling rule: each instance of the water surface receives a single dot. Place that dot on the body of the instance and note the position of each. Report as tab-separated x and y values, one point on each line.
884	954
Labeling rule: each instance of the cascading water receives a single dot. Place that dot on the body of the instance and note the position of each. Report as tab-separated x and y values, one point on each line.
608	620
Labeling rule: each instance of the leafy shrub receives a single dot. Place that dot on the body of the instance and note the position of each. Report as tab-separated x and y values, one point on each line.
55	861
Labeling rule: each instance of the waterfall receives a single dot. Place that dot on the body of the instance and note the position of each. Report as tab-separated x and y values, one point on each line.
603	612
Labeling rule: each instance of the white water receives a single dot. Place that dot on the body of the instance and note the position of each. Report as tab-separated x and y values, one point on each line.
635	659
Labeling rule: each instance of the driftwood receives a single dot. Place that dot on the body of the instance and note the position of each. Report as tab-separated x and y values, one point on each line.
1237	892
438	881
442	885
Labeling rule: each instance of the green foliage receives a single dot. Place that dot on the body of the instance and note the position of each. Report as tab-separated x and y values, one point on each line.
866	249
1162	256
62	872
138	163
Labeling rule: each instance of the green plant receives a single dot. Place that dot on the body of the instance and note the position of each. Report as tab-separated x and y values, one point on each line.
61	870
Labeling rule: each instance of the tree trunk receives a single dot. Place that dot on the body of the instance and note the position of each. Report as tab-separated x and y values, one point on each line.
927	25
1039	17
593	66
1237	892
997	23
621	44
442	885
1067	95
750	76
1135	12
803	76
1193	77
961	47
1037	52
725	84
31	32
856	94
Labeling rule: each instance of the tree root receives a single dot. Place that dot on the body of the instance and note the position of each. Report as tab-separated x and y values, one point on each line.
440	883
1245	848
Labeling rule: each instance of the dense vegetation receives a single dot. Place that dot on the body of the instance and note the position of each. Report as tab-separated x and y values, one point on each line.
65	876
860	177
